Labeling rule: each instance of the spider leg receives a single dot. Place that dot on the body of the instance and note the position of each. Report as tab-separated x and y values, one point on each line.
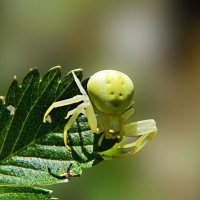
89	111
71	112
83	112
128	113
143	130
78	83
65	102
92	119
75	113
140	128
101	140
136	135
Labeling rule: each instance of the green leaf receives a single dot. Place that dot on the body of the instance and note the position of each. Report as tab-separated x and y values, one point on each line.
24	193
31	152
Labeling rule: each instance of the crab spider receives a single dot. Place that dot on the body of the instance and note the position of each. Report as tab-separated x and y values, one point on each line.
108	104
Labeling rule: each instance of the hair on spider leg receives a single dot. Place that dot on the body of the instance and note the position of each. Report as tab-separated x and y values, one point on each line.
65	175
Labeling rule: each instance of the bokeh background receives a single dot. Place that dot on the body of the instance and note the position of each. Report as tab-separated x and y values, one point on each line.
155	42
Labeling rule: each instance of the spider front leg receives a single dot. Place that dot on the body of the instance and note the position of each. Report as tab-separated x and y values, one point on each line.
87	109
65	102
128	113
144	131
136	135
70	101
75	113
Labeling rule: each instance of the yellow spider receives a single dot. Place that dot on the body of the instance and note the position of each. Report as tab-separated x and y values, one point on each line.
108	104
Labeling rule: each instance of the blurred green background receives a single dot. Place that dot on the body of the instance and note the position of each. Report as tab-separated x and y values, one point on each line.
155	42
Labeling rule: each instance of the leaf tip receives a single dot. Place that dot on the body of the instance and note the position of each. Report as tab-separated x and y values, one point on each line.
2	100
32	69
54	68
77	70
50	191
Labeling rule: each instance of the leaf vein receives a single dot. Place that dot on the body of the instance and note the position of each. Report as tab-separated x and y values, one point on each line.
24	122
11	121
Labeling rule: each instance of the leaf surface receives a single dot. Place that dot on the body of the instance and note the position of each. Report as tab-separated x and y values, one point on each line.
24	193
31	152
